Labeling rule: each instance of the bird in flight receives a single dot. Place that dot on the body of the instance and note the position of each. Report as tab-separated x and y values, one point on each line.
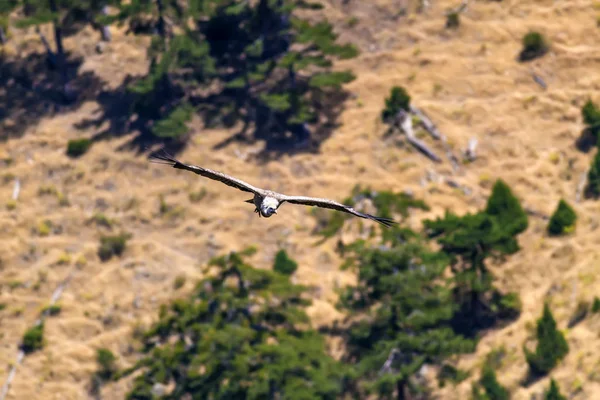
266	201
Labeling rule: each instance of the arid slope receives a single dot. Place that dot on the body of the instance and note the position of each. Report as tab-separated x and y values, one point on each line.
467	80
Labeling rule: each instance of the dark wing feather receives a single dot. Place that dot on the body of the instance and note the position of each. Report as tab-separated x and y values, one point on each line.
333	205
163	157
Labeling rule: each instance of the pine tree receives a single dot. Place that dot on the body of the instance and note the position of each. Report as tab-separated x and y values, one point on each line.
255	62
398	100
401	311
243	334
284	264
593	180
553	392
551	347
469	241
492	389
507	209
591	117
562	220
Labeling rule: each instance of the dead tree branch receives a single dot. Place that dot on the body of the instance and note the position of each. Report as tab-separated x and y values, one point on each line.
581	187
470	152
405	122
435	133
16	190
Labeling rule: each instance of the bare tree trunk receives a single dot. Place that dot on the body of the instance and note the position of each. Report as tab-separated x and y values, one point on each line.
2	36
49	53
105	29
60	54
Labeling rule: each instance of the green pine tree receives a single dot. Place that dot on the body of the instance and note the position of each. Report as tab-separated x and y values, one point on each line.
553	392
255	62
399	100
551	347
562	220
402	312
243	334
593	179
284	264
507	209
591	117
492	389
472	239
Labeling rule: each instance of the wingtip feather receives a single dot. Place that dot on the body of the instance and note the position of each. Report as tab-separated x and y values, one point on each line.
162	157
387	222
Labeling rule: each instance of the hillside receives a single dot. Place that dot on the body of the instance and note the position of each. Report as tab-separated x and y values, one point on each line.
467	80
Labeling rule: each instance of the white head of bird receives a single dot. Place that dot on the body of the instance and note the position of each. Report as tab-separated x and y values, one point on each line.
269	206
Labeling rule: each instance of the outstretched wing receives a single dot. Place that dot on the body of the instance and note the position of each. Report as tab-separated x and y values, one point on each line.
163	157
333	205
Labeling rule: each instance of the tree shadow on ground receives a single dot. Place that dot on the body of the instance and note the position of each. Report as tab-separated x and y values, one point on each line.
30	89
586	141
117	109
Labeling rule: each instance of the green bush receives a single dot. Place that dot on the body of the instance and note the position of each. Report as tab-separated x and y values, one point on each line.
591	117
284	264
53	310
33	339
592	189
453	20
507	209
553	392
78	147
492	388
399	99
106	362
563	220
534	45
112	246
596	305
551	347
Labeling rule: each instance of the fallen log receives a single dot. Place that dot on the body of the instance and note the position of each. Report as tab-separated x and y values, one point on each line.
404	120
435	133
471	148
581	186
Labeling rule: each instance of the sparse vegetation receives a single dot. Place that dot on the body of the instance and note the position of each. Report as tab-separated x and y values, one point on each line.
52	310
113	245
179	282
534	45
551	346
44	228
78	147
562	220
33	339
579	314
284	264
197	196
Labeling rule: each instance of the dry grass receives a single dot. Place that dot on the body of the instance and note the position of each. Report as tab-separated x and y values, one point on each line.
467	80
